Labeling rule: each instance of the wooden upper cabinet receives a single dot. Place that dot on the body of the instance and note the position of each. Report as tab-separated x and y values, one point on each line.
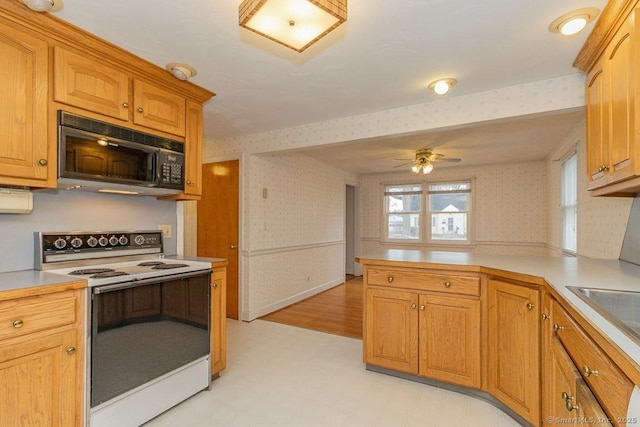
24	146
158	109
89	84
613	160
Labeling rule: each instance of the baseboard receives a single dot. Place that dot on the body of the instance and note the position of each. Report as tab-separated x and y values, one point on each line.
254	314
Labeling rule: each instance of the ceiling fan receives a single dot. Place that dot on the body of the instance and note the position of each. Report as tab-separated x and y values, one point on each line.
424	159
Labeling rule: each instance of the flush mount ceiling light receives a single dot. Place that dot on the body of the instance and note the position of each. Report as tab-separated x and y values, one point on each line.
296	24
39	5
574	21
442	86
181	71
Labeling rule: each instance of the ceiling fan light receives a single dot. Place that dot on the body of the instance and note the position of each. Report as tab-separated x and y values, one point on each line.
39	5
426	169
415	168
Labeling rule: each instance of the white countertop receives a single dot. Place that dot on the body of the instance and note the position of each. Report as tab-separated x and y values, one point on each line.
559	272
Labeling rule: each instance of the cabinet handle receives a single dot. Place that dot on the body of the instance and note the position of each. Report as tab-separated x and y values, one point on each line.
71	350
140	110
530	306
214	285
557	327
125	105
234	246
447	284
588	371
422	307
568	402
188	182
18	323
545	316
413	306
390	279
43	162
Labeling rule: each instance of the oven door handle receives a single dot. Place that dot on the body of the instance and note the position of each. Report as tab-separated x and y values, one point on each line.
97	290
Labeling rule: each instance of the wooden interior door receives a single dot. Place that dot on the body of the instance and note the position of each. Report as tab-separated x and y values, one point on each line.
218	211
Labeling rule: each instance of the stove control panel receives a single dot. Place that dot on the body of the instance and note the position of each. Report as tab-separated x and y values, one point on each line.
71	246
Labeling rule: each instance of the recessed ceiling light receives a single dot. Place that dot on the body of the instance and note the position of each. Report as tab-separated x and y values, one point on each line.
181	71
39	5
573	22
442	86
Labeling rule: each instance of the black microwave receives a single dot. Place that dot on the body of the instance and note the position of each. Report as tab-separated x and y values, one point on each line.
99	156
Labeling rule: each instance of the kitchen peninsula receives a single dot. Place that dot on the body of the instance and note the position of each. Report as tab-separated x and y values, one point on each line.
504	328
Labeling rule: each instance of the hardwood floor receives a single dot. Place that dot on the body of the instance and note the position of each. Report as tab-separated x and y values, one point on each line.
336	311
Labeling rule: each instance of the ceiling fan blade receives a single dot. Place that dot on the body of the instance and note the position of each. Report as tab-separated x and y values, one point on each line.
405	160
404	164
442	159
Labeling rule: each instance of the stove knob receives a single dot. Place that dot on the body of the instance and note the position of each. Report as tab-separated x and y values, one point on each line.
139	239
92	241
60	243
113	240
124	240
103	241
76	242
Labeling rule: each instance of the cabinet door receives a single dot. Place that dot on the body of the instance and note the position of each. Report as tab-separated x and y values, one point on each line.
193	150
391	330
158	109
218	320
38	383
597	127
619	66
450	339
589	410
514	347
90	84
23	109
560	395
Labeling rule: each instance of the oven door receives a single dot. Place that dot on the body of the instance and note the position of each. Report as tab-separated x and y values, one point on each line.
145	329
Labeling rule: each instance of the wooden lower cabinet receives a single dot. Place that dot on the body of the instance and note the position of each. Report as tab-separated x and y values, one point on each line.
41	373
218	318
513	375
430	335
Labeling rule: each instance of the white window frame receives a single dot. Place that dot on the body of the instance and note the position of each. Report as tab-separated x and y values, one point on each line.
429	213
387	213
569	203
425	216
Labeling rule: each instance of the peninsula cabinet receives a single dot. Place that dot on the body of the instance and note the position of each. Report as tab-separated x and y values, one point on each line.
513	375
42	360
600	385
25	150
424	324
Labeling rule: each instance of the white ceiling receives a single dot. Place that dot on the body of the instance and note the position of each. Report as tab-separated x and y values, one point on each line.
382	58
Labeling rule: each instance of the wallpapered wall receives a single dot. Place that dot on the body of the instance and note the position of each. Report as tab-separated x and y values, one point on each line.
601	220
261	271
293	243
508	207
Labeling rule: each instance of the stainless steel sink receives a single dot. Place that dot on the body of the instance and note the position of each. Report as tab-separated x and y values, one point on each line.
622	308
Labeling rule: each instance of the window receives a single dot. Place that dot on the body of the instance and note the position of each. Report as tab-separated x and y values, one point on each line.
402	208
442	216
449	210
569	204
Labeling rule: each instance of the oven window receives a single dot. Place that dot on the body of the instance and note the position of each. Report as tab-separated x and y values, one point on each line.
141	333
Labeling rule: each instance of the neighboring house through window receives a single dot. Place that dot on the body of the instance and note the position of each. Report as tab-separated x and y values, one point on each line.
428	213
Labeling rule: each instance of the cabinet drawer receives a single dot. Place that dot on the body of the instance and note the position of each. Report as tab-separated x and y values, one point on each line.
26	315
609	384
463	285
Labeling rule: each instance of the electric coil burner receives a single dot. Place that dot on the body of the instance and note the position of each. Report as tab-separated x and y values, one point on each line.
149	332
